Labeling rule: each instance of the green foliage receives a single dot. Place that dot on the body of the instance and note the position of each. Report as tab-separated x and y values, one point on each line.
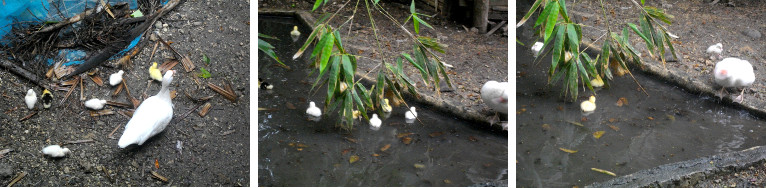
203	73
567	35
267	48
337	68
205	59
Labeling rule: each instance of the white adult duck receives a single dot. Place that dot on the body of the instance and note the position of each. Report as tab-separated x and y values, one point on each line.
30	99
151	117
495	94
734	72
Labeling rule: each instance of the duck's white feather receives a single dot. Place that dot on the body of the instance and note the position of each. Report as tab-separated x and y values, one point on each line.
495	95
55	151
30	99
116	78
151	117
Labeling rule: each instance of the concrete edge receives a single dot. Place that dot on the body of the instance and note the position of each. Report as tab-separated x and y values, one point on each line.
440	105
687	173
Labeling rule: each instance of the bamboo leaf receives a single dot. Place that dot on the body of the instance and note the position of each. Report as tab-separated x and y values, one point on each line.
339	43
333	60
416	23
334	75
359	103
563	8
412	7
347	68
529	13
308	41
670	45
543	15
316	5
557	49
552	18
574	41
421	21
375	2
365	95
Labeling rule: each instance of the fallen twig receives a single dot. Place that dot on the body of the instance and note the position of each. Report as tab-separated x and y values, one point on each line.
185	61
70	90
28	116
118	104
15	69
79	141
5	151
17	178
205	108
101	113
228	132
159	177
187	113
228	94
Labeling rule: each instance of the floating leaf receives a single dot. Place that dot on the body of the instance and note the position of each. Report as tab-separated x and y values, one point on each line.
622	101
403	135
612	120
419	166
546	127
435	134
353	159
650	118
407	140
598	134
384	148
568	150
671	117
575	123
603	171
615	128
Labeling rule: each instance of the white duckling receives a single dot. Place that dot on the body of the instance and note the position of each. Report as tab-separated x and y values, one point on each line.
295	34
313	112
715	51
55	151
495	95
116	78
151	117
375	122
536	48
410	115
95	104
386	107
31	98
588	106
734	72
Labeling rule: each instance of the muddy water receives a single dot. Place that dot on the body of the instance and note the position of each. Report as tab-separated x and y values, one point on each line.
668	125
293	151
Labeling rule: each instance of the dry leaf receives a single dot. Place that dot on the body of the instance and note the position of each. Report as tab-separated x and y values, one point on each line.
568	150
101	112
167	65
375	155
384	148
350	139
612	120
546	127
345	151
447	181
226	94
650	118
158	176
671	117
353	159
472	139
575	123
615	128
290	105
205	109
560	108
435	134
622	101
598	134
603	171
419	166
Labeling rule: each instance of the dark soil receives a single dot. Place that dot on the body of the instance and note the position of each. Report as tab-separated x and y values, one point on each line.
476	58
699	25
215	148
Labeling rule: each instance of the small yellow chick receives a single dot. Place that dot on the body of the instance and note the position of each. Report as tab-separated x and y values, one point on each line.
589	105
47	98
295	31
155	73
597	82
385	106
356	114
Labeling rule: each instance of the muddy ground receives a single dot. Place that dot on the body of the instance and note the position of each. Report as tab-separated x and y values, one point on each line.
476	58
215	148
698	24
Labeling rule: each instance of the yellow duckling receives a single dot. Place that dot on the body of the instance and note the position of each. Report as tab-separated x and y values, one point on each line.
155	73
295	31
589	106
597	82
356	114
47	98
385	106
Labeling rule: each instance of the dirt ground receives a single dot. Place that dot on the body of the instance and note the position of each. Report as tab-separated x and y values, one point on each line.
476	58
215	149
698	24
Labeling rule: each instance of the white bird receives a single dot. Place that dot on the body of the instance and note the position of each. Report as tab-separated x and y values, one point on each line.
295	34
495	94
715	50
588	106
536	48
31	98
151	117
734	72
313	111
116	78
375	122
412	114
55	151
95	104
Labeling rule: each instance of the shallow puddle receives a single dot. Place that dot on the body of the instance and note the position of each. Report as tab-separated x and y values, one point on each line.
293	151
669	125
